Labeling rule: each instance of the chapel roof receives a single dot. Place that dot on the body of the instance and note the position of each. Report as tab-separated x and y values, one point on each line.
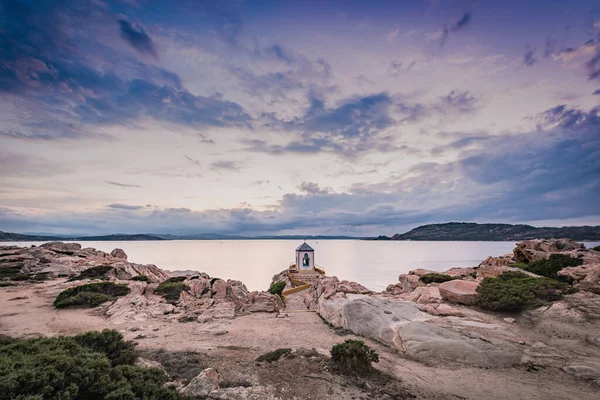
304	247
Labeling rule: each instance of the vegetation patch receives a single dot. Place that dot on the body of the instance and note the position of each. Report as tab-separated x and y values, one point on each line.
353	357
550	266
597	248
15	274
141	278
435	278
273	356
96	365
180	365
514	291
171	290
277	289
90	295
93	273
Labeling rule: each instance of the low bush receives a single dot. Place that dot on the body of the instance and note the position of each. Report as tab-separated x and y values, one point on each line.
96	365
277	288
90	295
93	273
180	365
273	356
597	248
353	357
514	291
435	278
15	274
141	278
171	290
550	266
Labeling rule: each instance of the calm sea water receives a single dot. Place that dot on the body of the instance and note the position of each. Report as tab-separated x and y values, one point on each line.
374	264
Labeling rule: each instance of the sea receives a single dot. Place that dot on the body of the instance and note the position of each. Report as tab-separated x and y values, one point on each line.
374	264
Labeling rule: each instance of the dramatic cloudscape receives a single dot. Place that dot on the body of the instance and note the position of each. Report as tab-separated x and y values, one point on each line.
297	117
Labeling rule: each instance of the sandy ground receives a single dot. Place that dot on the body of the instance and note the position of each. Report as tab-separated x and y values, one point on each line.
232	345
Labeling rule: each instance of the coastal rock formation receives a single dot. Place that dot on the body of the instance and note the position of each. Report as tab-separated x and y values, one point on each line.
458	291
404	326
535	250
69	259
202	384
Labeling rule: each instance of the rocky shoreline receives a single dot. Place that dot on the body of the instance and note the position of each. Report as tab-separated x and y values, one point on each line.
417	321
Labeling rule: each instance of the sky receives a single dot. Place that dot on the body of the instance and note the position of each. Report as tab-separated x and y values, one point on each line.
297	117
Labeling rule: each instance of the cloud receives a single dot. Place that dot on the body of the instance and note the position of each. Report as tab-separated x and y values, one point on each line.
23	165
462	22
118	206
193	160
529	56
442	36
123	185
225	166
553	170
62	92
587	54
137	38
312	188
359	124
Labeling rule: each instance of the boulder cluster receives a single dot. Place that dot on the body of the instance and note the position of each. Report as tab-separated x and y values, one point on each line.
437	322
201	297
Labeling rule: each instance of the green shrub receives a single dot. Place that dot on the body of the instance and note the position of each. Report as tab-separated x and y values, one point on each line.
15	274
141	278
93	273
110	343
171	290
90	295
277	288
175	279
273	356
597	248
435	278
78	368
550	266
353	356
514	291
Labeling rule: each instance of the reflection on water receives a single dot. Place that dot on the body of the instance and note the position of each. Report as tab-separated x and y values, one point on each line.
372	263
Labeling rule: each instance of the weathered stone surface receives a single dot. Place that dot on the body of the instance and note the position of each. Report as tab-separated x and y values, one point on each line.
586	369
378	318
119	253
591	282
219	289
410	282
575	307
423	295
395	289
244	393
428	342
458	291
543	355
203	384
142	362
576	274
534	250
262	302
459	272
60	247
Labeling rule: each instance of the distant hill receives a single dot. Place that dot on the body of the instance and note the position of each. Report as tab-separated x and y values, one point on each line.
16	237
495	232
118	237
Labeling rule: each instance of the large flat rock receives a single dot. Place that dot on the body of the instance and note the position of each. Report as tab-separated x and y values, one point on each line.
428	342
458	291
